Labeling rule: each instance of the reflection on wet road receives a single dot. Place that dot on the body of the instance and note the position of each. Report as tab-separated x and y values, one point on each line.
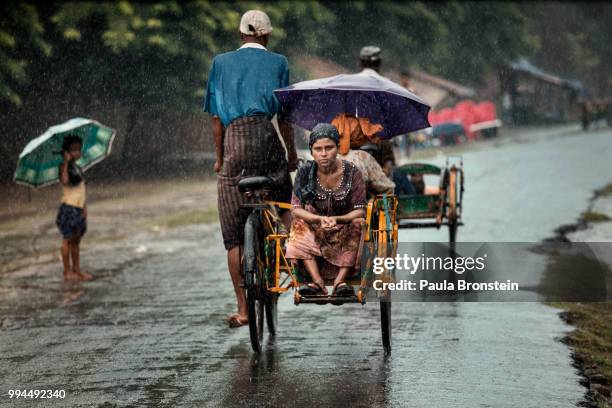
154	334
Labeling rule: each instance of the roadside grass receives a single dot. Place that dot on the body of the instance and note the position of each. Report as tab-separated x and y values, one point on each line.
179	219
594	216
592	339
604	192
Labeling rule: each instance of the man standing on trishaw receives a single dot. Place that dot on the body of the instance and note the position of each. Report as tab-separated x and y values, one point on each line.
240	98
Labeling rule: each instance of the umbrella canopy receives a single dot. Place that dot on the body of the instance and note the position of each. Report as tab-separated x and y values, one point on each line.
380	100
39	162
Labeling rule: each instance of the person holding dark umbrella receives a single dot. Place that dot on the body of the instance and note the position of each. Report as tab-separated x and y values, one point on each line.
370	61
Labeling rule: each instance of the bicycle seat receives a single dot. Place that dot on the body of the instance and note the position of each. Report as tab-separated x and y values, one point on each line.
255	183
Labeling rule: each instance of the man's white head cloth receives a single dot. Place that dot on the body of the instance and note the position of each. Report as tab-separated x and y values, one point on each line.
255	22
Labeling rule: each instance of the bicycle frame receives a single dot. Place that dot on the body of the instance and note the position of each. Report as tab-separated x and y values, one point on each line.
381	231
272	247
281	265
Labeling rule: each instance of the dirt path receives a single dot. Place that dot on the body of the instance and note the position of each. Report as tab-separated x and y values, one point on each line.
121	217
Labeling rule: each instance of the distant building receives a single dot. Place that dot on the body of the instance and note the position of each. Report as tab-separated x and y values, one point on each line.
438	92
530	95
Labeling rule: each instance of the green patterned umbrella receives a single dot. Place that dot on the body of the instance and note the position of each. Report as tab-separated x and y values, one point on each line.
39	162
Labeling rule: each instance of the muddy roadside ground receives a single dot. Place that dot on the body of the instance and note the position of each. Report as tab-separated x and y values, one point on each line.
124	218
591	341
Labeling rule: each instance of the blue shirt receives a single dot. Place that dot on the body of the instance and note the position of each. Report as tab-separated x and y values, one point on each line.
241	83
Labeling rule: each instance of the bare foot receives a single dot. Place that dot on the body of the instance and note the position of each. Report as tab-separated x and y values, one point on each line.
86	276
237	320
71	276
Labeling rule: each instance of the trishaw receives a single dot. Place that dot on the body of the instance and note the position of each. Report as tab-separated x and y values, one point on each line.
444	207
267	273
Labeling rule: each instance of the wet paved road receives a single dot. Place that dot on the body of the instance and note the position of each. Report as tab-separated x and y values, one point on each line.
153	332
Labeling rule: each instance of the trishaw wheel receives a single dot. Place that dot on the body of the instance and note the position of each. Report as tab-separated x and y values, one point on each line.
384	246
452	232
253	276
271	304
256	319
453	190
385	324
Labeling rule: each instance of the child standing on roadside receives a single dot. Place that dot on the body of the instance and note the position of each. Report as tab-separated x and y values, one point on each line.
72	215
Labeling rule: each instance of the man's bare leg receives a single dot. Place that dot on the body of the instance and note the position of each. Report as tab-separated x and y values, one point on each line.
69	275
233	264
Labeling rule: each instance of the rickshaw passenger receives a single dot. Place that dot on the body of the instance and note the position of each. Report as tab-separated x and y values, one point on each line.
375	179
403	186
328	212
421	189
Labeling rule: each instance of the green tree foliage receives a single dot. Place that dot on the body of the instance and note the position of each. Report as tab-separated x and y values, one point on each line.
21	40
575	40
407	32
159	53
156	52
481	36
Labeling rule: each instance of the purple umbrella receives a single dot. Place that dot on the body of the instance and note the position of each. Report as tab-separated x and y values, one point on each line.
382	101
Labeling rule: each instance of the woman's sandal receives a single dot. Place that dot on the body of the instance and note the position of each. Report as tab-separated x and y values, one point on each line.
308	290
343	289
313	289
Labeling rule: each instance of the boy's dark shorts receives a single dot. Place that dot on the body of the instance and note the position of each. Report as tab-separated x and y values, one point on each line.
70	221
